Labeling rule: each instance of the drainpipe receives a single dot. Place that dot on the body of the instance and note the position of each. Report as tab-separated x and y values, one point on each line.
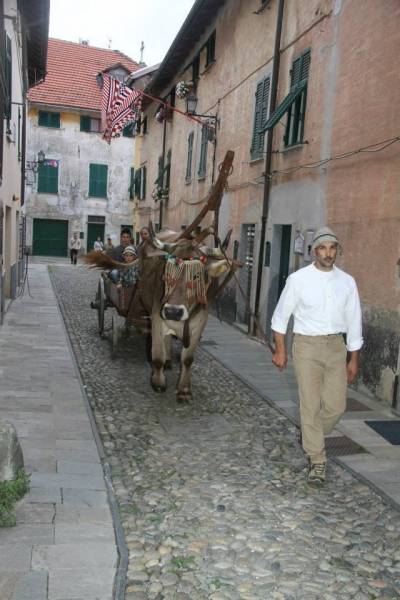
160	217
268	160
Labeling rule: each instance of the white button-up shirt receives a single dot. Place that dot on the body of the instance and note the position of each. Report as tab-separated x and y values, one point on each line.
322	303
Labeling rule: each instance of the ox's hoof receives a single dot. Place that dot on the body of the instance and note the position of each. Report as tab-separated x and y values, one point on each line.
184	397
157	387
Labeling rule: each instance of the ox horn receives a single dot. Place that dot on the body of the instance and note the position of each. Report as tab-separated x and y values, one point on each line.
166	246
225	243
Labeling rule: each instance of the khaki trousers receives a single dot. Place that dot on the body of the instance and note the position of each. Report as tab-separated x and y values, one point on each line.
320	365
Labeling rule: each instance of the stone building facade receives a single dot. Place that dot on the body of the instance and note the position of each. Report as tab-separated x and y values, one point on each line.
291	85
23	41
83	184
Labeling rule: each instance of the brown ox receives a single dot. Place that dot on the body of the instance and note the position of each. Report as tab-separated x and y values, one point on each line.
175	290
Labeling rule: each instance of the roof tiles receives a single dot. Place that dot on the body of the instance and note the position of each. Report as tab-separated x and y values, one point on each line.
71	74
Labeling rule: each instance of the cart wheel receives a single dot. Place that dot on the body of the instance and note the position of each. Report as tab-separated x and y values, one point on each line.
101	305
114	335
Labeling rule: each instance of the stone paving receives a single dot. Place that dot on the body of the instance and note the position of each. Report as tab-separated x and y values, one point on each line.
212	495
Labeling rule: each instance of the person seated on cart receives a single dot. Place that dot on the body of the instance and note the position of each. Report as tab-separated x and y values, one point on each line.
125	240
126	277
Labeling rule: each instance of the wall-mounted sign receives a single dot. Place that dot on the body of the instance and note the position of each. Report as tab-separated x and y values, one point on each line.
299	243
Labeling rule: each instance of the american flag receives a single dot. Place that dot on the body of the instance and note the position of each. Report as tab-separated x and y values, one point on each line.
120	106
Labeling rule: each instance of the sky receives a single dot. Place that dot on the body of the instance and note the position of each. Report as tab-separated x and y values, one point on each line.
154	22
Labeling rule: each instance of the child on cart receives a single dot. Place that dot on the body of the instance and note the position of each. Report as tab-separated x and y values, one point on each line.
127	277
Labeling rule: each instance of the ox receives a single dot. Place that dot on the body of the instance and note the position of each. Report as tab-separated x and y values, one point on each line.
176	289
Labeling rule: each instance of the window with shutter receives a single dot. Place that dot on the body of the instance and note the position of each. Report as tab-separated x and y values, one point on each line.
143	182
49	119
128	130
203	153
189	157
132	184
98	181
48	177
260	117
138	182
296	112
90	124
210	49
196	69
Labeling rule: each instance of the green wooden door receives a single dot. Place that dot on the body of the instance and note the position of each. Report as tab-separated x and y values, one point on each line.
94	230
50	237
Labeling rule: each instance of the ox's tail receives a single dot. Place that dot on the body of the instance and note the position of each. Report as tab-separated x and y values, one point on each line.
99	260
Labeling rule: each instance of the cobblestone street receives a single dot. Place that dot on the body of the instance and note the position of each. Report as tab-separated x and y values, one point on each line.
213	495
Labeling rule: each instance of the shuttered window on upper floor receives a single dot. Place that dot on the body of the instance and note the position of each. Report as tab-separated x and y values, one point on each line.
48	177
90	124
294	133
189	156
203	153
260	117
49	119
98	181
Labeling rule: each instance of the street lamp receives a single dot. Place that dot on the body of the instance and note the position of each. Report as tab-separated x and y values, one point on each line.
33	165
191	105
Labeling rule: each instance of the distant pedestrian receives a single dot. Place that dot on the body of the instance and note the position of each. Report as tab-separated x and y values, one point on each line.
98	245
109	245
326	307
74	247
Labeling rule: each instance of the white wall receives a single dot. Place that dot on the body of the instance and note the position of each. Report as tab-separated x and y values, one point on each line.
76	150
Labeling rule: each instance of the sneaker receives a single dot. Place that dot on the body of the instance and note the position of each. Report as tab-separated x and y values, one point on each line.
316	474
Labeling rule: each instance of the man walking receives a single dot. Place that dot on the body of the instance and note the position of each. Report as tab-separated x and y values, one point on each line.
74	247
326	307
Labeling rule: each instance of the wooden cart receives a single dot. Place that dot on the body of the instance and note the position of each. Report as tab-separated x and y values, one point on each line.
118	299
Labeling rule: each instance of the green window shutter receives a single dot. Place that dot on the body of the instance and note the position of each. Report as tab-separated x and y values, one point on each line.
8	76
189	156
48	178
296	111
49	119
203	153
210	49
85	123
143	183
132	184
160	172
300	68
98	181
138	182
260	117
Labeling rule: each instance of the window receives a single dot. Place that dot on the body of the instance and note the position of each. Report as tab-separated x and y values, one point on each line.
143	184
49	119
48	177
196	69
90	124
128	130
189	156
132	185
295	102
296	111
260	116
203	153
98	181
140	183
8	78
210	49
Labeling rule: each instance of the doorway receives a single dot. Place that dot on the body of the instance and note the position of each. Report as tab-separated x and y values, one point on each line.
279	268
246	273
94	231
